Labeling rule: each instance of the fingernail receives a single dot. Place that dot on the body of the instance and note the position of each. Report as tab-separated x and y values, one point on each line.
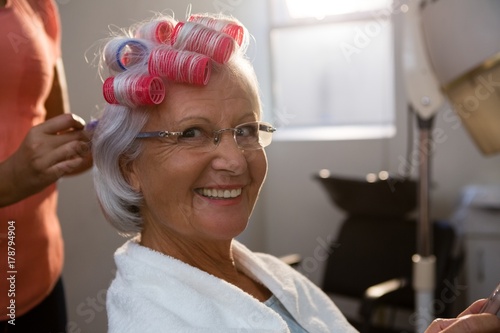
78	119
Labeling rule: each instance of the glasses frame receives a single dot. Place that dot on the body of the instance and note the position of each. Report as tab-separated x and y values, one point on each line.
216	135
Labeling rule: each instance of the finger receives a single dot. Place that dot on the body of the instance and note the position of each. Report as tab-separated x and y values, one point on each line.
473	308
46	150
66	152
67	167
484	322
440	324
61	123
79	164
54	141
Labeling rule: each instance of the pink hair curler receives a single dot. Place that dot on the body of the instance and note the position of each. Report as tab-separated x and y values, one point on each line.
108	91
159	31
180	66
196	37
134	90
234	30
175	32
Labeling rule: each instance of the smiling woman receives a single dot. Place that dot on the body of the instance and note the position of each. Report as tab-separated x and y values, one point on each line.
179	164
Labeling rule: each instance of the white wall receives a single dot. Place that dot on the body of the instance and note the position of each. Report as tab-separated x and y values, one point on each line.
293	215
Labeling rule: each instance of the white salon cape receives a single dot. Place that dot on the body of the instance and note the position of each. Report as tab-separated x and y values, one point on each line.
155	293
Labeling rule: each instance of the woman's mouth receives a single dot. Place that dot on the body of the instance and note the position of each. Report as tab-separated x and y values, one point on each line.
219	193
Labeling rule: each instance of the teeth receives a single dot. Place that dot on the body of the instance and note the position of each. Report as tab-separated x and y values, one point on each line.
213	193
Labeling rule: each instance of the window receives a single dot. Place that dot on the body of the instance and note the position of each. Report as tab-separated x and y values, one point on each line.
332	69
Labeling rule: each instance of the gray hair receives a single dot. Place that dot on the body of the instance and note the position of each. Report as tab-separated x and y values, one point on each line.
114	145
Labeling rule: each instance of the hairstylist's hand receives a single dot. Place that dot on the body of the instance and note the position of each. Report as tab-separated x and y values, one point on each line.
468	321
55	148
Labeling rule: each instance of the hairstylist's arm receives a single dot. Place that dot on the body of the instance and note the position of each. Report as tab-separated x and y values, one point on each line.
469	321
57	103
50	150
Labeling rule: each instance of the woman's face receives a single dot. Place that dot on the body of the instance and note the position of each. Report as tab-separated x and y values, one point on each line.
178	182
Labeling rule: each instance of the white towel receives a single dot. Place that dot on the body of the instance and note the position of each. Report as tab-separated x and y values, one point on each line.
154	293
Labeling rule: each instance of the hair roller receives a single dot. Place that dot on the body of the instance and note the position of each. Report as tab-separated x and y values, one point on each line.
159	31
196	37
180	66
123	53
226	26
134	90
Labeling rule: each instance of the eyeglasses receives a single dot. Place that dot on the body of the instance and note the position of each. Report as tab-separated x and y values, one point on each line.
248	136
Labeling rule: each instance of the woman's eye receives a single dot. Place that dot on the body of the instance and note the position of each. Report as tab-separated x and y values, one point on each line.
192	133
247	130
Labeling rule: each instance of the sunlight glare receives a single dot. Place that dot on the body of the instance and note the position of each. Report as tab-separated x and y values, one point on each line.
322	8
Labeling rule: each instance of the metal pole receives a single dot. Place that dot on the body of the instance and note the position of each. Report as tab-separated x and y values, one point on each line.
424	261
424	243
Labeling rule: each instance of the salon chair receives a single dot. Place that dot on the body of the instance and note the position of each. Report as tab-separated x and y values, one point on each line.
370	260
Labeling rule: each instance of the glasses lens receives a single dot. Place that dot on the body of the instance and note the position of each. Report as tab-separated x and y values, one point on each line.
266	134
253	135
196	137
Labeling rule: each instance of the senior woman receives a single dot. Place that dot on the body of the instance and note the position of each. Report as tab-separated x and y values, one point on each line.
179	163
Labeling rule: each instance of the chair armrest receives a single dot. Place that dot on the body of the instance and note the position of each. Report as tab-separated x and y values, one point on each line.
375	295
380	290
292	259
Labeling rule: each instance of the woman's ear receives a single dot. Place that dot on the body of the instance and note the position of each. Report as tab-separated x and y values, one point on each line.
127	169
